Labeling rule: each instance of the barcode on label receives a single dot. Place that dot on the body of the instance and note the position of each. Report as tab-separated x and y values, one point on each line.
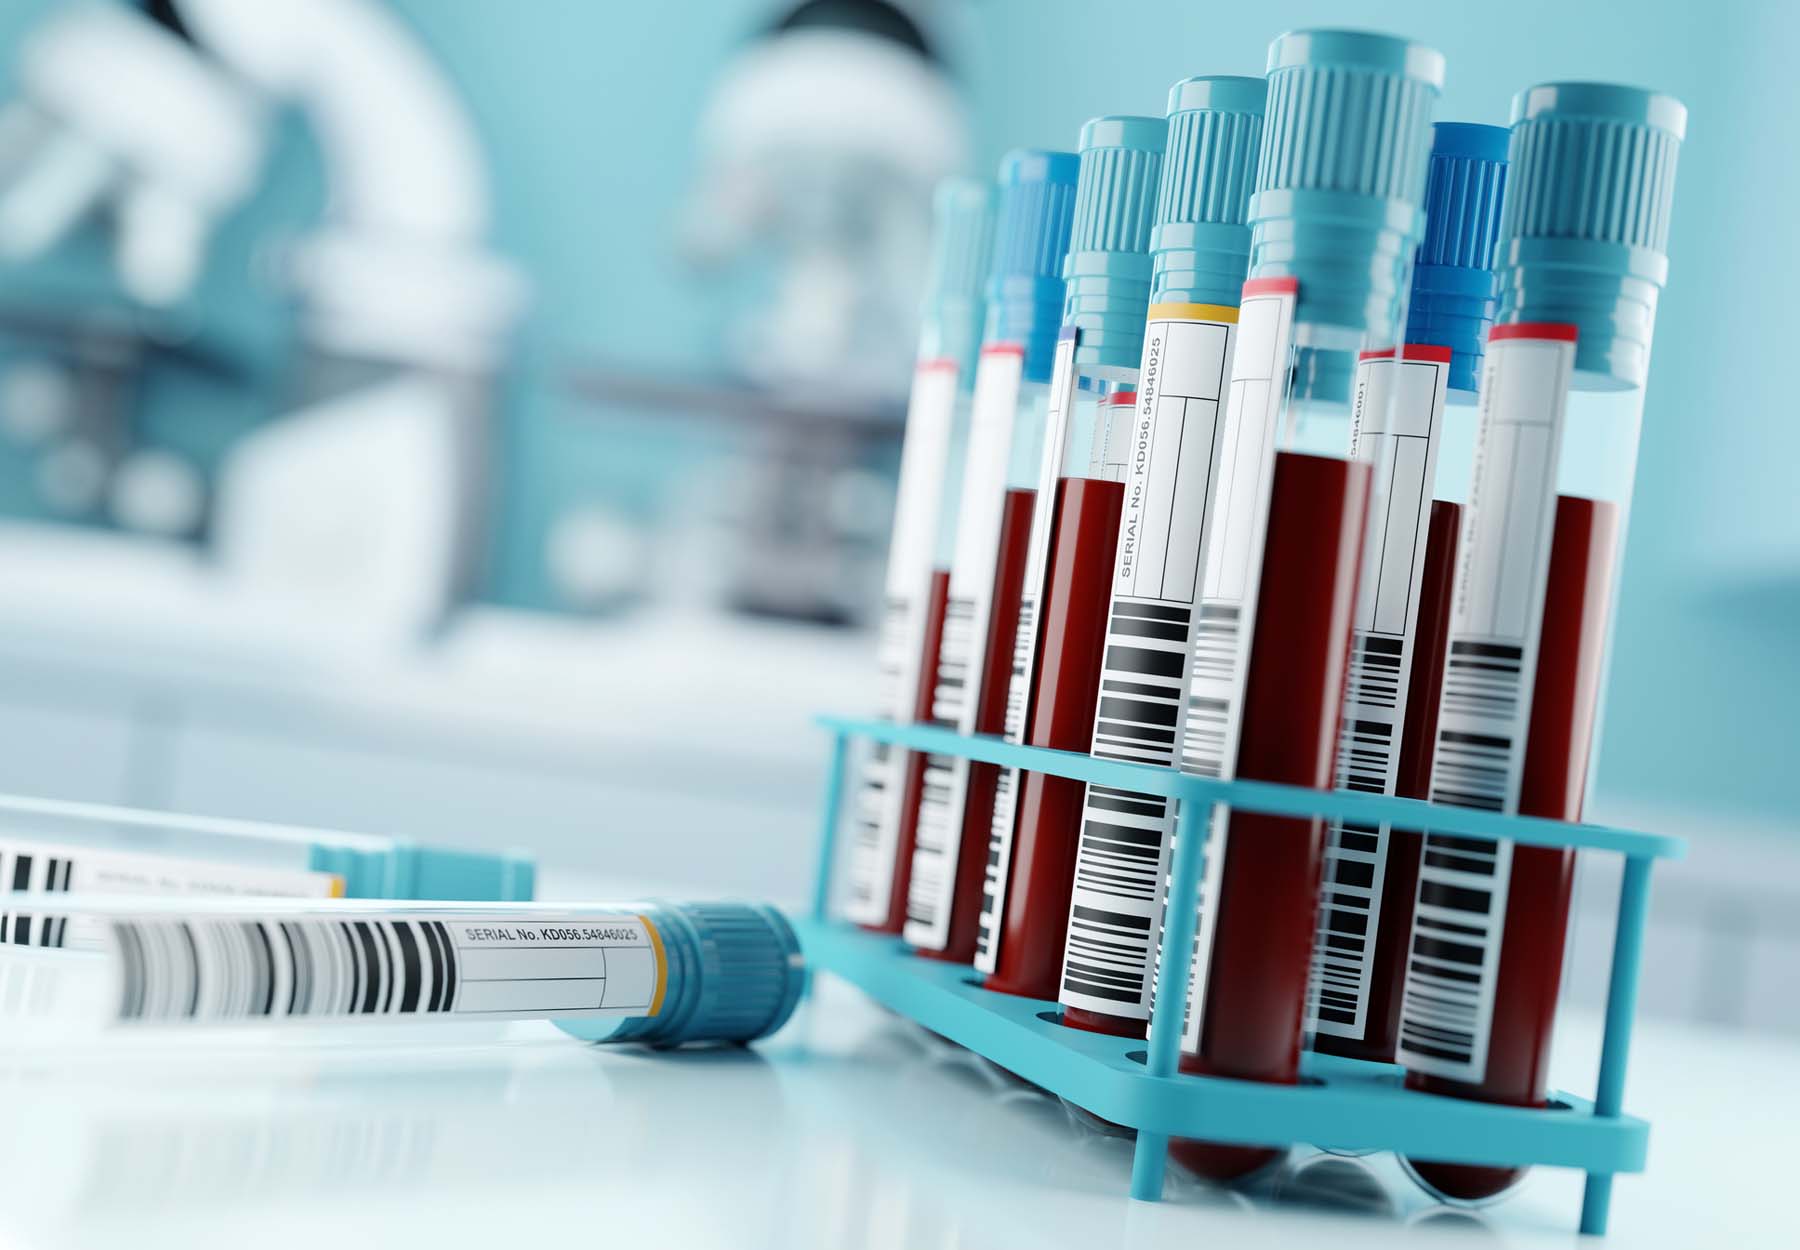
877	791
206	969
22	872
1121	861
1006	790
1483	682
1455	952
1211	694
945	777
1355	864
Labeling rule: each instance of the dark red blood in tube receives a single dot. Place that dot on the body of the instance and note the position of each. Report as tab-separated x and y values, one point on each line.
914	765
1564	703
1066	689
1418	738
990	718
1293	696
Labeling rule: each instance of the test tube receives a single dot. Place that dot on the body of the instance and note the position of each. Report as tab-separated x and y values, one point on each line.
887	799
657	972
1423	449
1334	220
1199	247
1583	258
1025	291
53	847
1062	617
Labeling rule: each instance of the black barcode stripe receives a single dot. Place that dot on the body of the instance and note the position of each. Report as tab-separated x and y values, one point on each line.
238	969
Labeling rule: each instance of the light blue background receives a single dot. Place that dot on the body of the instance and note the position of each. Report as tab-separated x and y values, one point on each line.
588	109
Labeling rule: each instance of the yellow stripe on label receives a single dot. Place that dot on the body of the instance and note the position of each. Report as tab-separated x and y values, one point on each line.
1226	313
662	965
337	887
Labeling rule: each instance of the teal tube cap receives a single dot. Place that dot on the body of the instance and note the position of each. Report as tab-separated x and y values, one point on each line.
1025	290
1108	267
1341	174
734	974
961	238
1453	296
1200	244
1584	238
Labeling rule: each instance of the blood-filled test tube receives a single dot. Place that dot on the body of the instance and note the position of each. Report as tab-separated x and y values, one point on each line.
886	804
1335	217
656	972
1409	545
1583	248
1062	615
1025	292
1200	248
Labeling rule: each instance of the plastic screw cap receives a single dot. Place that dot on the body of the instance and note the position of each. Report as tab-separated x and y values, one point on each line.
1340	176
1453	292
1036	206
1585	234
1200	244
734	975
962	236
1108	266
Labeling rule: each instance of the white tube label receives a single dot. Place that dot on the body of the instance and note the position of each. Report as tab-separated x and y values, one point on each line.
1454	961
377	967
1018	690
962	655
1399	416
1233	570
880	798
1170	453
35	868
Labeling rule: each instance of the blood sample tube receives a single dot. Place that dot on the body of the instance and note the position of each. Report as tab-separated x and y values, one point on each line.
1335	218
1062	616
655	972
887	799
1200	247
987	569
1403	601
52	847
1583	259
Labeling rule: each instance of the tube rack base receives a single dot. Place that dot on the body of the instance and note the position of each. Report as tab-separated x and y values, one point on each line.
1340	1103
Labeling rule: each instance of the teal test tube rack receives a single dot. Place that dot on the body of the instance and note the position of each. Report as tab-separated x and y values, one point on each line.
1340	1103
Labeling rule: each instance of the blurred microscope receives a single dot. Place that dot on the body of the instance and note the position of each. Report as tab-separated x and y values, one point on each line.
361	501
809	215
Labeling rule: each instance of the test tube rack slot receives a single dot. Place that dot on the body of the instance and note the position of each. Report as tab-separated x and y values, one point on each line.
1340	1103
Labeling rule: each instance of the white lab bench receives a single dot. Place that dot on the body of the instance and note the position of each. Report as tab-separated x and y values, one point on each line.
848	1129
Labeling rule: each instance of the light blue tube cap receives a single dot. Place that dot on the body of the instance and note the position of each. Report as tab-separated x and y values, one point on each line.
1453	278
1108	267
1340	177
1200	245
399	869
961	237
1031	237
1585	234
734	974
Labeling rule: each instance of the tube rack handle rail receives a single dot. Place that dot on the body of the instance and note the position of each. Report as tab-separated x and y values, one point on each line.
1344	1103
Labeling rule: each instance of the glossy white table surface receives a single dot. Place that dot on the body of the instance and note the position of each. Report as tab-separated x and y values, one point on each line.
849	1128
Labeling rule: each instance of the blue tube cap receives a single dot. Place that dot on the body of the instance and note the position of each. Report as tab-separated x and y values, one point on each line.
1341	173
1200	244
1584	238
1108	266
1025	290
962	234
1453	279
734	975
